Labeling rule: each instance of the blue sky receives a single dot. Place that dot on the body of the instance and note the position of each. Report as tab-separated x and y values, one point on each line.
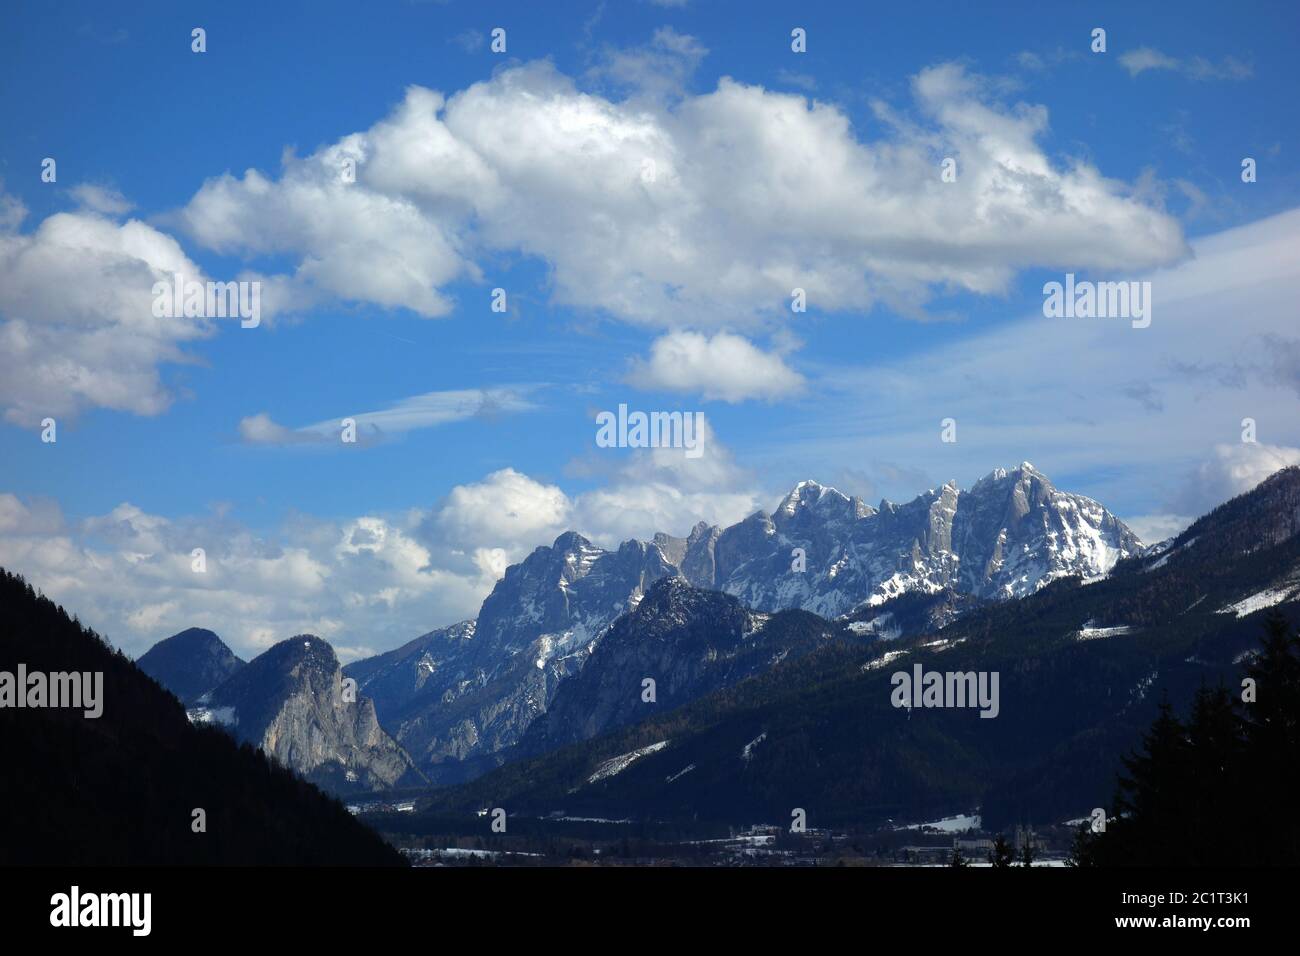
776	169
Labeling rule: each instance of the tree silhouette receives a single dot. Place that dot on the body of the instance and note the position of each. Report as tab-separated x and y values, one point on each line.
1218	790
1027	852
1083	851
120	789
1002	853
1271	769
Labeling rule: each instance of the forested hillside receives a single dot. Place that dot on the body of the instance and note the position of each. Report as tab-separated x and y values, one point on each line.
122	789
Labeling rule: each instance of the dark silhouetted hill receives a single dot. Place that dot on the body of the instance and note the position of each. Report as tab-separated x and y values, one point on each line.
121	789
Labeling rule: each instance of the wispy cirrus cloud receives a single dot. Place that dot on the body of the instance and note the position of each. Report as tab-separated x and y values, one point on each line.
410	414
471	41
1147	58
102	199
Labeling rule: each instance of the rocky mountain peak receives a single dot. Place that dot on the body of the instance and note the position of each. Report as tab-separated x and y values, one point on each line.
668	592
999	477
570	542
290	701
688	641
826	503
805	494
298	655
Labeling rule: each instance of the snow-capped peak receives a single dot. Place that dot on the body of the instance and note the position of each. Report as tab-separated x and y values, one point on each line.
1020	473
806	493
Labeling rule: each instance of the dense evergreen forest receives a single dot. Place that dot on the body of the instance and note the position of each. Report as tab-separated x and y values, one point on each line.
121	789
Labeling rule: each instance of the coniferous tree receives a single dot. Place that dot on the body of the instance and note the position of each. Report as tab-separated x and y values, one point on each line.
1150	804
1271	778
1002	853
1215	813
958	858
1220	789
1027	852
1083	851
120	789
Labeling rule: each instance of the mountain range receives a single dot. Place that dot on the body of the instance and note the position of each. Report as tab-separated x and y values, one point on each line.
461	699
457	698
665	679
1083	663
678	644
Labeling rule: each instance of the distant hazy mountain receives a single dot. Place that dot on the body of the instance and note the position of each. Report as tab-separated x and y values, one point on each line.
472	691
290	702
190	664
1082	666
122	789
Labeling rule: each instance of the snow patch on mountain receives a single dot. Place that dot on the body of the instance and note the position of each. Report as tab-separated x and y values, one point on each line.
747	752
1090	631
1269	597
883	660
960	823
882	626
680	773
616	765
225	716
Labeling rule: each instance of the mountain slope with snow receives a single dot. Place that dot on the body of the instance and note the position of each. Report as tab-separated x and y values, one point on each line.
1007	536
1082	669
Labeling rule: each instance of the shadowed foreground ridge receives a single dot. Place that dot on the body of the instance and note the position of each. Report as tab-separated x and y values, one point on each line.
120	789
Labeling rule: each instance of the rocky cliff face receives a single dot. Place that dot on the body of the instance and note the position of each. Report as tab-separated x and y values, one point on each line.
290	701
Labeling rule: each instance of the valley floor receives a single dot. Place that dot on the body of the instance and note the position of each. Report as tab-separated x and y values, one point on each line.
589	842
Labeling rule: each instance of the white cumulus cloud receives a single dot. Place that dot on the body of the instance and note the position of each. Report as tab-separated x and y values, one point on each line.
723	366
77	328
714	206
